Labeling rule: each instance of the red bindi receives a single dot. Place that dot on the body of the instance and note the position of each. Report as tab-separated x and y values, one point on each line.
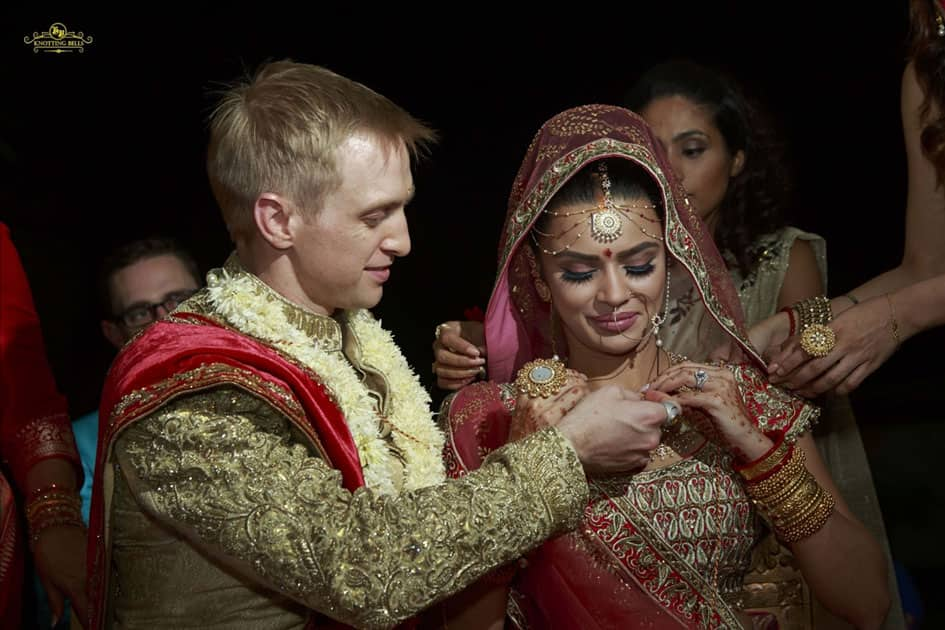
607	252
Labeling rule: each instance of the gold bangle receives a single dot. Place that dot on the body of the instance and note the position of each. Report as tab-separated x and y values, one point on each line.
780	481
815	310
72	520
777	501
812	520
791	500
768	462
52	501
792	509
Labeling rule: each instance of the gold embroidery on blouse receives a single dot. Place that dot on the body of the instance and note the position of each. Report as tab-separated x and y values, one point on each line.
772	408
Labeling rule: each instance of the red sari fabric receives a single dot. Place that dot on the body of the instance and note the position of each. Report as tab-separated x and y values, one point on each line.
34	420
188	353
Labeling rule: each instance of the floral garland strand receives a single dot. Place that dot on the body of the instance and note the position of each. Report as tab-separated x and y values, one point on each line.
253	308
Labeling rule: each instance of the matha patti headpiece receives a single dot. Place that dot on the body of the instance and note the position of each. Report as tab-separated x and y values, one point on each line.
606	218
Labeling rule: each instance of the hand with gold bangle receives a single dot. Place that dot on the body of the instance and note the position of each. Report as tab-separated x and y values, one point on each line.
52	505
57	534
788	484
815	315
860	339
808	319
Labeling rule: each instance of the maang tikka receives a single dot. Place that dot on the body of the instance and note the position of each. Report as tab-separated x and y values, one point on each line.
606	223
606	218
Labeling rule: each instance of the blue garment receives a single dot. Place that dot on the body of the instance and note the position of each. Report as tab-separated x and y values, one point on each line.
85	429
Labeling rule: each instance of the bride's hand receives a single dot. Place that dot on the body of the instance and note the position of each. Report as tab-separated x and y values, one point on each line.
713	391
532	414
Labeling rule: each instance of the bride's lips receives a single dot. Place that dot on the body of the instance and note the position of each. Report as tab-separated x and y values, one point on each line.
615	322
380	274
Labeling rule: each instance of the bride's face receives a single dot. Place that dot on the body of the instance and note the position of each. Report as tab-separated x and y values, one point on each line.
605	294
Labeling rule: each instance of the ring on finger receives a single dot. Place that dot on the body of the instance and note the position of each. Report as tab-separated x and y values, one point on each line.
673	413
702	377
818	340
541	378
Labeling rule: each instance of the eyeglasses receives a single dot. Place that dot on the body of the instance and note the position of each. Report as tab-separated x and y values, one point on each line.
143	314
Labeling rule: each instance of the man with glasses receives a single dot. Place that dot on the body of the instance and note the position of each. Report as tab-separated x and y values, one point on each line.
139	283
142	282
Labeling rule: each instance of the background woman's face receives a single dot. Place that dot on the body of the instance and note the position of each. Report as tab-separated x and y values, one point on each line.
699	154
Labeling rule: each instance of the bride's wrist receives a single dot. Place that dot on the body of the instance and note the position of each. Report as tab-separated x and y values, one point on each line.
751	447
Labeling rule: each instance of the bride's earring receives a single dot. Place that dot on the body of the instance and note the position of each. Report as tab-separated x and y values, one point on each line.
660	318
657	321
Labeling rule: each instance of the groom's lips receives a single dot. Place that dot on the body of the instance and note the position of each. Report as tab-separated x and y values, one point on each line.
380	274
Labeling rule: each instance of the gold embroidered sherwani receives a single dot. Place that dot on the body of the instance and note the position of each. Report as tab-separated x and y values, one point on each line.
222	509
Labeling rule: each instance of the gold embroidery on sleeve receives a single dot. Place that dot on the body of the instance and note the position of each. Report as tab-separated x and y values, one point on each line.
223	467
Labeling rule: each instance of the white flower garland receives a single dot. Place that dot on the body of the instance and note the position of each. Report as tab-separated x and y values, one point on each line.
251	307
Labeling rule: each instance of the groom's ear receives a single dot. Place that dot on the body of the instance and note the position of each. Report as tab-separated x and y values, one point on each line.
275	216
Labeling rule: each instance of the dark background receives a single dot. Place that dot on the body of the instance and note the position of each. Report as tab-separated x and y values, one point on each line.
105	146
